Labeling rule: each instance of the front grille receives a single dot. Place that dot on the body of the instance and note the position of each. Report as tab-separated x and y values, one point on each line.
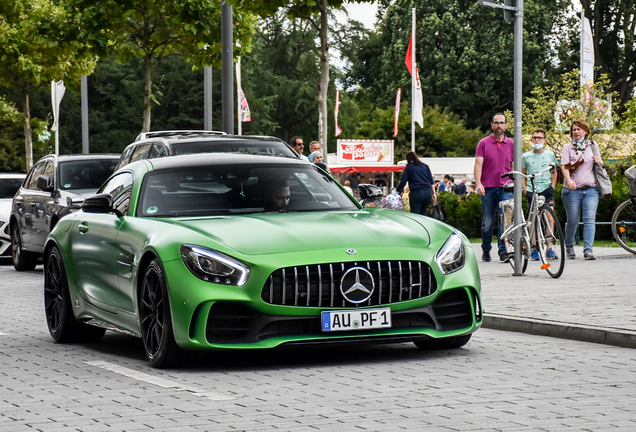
318	285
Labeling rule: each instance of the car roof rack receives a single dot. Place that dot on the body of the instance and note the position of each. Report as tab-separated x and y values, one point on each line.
169	133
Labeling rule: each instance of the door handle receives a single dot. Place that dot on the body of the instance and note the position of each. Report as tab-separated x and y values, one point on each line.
83	227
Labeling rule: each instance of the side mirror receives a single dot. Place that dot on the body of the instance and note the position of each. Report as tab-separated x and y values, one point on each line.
101	203
45	183
369	193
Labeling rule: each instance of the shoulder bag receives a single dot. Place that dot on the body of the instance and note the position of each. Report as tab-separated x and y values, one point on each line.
603	182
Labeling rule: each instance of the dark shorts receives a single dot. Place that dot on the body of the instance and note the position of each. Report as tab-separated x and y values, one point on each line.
548	194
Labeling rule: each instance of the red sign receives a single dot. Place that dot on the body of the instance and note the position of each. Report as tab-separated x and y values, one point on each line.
367	152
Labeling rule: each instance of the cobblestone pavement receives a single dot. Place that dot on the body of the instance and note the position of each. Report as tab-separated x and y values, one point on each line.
500	381
592	300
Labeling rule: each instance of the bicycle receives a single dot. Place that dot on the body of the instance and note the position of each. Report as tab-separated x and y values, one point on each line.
541	231
624	217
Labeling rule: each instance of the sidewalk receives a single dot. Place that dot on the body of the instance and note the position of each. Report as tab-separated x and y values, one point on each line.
593	301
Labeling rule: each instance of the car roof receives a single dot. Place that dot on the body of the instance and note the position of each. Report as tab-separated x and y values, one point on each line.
176	133
175	140
90	156
203	159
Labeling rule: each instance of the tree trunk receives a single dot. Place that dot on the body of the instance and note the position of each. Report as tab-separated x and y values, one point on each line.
147	93
323	86
28	132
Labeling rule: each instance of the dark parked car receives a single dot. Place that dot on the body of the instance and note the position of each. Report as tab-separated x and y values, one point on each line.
55	187
150	145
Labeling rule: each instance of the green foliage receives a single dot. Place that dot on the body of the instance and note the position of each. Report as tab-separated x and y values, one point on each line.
464	51
462	213
628	122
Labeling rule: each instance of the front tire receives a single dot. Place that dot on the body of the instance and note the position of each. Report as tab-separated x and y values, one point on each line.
553	237
22	260
57	305
453	342
156	324
625	232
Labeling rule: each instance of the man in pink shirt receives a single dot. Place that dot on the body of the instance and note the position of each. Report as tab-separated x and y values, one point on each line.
494	156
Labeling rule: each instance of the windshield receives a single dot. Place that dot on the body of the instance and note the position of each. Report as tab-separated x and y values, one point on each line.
85	174
235	146
8	187
240	189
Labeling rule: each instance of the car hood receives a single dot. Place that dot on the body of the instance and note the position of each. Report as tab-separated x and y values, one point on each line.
284	232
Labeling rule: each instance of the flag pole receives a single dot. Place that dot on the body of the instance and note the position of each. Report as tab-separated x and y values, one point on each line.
412	78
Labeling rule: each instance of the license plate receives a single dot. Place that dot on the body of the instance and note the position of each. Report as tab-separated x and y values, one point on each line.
363	319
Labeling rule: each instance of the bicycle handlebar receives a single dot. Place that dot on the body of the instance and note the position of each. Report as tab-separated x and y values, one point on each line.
511	174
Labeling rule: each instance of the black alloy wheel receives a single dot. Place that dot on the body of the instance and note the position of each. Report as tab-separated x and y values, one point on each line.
156	325
22	260
57	305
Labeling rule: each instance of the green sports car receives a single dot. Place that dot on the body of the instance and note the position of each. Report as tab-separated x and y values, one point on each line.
234	251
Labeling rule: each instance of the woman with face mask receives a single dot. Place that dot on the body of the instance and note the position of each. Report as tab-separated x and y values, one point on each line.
580	194
534	162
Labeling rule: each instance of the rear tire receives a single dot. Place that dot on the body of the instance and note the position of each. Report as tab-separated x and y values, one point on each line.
22	260
623	233
555	237
57	305
524	254
156	324
453	342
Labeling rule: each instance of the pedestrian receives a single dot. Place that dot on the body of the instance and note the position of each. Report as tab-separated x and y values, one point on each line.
298	145
533	162
315	146
347	186
421	184
460	189
441	187
315	157
494	156
450	183
580	194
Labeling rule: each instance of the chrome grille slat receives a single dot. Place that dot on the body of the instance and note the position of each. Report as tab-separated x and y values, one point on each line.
412	277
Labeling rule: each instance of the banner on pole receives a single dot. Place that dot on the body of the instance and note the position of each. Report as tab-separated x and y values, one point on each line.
335	111
365	152
246	114
57	93
587	52
397	111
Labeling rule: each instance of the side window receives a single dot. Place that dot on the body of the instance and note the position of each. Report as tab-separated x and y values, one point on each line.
139	152
38	170
157	151
123	160
120	188
49	170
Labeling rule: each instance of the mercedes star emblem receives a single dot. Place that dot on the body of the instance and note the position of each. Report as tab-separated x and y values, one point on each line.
357	285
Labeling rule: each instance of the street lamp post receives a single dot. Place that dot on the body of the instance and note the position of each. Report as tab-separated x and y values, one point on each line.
513	11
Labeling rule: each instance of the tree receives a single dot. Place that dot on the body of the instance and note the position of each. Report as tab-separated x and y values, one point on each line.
613	25
34	51
156	29
464	52
315	12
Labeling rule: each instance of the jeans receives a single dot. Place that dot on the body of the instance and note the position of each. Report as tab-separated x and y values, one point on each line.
420	200
579	202
489	207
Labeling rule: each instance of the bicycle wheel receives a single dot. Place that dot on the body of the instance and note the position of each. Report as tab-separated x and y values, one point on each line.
624	225
551	242
525	252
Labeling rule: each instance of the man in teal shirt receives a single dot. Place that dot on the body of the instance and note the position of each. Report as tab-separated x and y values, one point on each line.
534	162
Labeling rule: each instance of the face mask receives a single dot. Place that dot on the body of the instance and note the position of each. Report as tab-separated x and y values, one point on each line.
537	146
394	192
579	140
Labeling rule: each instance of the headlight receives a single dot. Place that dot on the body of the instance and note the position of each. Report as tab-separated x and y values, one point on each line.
215	267
452	256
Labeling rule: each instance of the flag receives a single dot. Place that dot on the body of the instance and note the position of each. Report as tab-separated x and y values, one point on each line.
397	111
335	111
409	56
587	52
418	100
245	114
57	93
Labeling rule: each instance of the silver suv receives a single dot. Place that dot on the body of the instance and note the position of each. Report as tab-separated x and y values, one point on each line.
150	145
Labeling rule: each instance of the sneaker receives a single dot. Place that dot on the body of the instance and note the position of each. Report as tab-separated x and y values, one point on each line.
570	253
534	256
504	258
485	256
550	254
588	255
